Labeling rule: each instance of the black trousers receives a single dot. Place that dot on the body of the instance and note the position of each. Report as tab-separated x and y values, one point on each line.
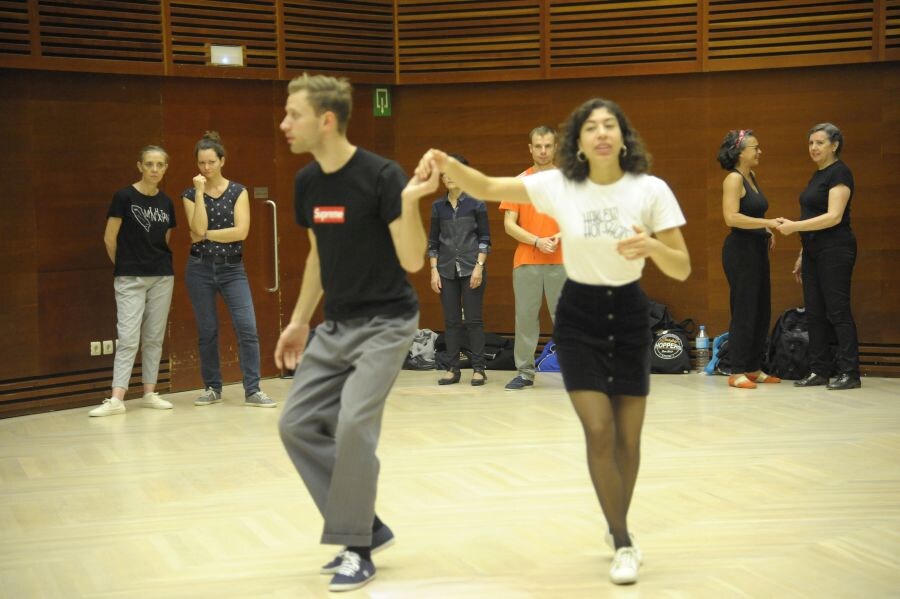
745	258
456	296
828	260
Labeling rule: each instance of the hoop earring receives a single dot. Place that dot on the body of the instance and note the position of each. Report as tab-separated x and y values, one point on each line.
624	151
580	157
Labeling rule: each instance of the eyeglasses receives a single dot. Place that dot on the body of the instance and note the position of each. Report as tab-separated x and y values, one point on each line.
754	148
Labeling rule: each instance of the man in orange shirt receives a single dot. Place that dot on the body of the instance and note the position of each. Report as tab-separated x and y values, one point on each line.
537	265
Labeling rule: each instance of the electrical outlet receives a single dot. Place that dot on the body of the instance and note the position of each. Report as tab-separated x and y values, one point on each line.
107	347
96	348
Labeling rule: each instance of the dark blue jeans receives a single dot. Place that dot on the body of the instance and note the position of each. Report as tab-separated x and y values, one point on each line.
204	280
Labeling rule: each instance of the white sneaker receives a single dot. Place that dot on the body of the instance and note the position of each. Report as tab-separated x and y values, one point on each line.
611	543
153	400
625	566
110	406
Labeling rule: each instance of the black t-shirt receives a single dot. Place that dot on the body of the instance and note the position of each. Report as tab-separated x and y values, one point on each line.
349	212
141	248
219	215
753	204
814	199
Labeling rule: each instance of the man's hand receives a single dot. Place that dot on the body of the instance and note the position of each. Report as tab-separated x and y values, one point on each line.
290	346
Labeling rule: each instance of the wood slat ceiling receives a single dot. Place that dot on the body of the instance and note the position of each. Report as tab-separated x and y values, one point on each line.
247	23
120	30
772	30
345	37
892	29
629	32
14	29
458	36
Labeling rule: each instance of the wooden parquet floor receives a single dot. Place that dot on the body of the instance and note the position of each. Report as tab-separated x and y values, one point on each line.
778	492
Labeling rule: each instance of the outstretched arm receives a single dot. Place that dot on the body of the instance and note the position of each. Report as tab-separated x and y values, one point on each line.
473	182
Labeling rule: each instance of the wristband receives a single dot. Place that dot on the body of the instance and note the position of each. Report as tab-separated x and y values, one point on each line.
536	239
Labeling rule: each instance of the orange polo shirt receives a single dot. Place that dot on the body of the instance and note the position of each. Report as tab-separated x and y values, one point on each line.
537	223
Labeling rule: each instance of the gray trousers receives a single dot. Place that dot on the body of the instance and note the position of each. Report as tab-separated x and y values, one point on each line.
142	310
531	284
332	418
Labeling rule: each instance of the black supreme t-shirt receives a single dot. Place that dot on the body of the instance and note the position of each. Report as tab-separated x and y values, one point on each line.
349	212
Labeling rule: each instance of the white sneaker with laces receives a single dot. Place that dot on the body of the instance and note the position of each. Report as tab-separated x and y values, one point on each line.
611	543
153	400
625	566
110	406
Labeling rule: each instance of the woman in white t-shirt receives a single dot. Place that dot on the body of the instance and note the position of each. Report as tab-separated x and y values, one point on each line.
612	217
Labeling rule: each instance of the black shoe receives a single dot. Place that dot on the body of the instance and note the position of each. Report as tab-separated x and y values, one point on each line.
482	380
811	380
844	381
452	380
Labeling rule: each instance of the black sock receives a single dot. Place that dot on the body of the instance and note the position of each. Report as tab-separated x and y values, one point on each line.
377	523
363	552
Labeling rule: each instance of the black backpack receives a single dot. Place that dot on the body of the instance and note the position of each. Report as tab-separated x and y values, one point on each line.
670	353
786	356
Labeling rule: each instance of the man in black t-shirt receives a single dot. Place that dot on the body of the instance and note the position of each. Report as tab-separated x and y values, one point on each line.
365	233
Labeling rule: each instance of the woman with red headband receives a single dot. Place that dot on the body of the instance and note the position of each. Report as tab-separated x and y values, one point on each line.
745	258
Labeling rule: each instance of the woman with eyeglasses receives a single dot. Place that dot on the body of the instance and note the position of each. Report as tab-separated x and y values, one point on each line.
745	258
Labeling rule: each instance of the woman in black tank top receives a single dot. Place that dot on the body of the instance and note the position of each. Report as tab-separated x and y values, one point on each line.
745	258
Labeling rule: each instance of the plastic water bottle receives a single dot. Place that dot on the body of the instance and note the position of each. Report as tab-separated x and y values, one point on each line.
701	342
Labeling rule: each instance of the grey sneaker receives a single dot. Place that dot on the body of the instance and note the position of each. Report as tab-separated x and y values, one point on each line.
207	397
260	400
518	383
110	406
381	539
153	400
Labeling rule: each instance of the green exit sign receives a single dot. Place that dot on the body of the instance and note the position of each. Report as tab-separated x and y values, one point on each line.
381	101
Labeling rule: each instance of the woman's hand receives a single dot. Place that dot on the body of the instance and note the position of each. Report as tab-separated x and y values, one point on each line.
477	277
435	280
787	227
200	184
432	160
798	269
637	246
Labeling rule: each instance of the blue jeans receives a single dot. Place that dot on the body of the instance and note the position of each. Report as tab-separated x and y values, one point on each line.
204	279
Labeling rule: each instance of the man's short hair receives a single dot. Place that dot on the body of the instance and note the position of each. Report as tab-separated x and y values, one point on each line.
542	130
325	94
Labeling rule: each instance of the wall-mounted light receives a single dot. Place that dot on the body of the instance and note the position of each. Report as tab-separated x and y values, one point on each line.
226	56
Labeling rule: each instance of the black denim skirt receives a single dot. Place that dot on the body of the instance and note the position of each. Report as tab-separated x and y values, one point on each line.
603	338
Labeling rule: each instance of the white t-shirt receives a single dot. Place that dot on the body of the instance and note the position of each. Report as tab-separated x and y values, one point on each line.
594	218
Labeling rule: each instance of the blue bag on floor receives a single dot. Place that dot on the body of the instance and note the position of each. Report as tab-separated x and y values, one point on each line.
548	360
713	365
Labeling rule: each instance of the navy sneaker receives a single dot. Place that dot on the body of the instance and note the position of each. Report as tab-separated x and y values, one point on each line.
353	573
381	539
518	383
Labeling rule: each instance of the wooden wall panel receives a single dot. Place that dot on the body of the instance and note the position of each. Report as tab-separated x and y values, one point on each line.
63	154
465	40
683	119
342	38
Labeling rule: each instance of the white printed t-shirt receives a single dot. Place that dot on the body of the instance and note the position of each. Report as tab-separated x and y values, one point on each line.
594	218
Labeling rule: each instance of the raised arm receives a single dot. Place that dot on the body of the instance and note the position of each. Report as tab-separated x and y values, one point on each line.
473	182
407	231
667	250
